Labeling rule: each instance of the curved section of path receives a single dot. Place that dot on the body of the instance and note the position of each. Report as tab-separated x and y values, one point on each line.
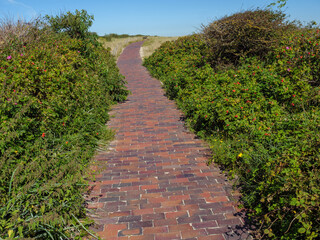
156	184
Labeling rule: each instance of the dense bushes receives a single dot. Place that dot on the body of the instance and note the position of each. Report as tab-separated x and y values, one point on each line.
55	94
244	34
262	119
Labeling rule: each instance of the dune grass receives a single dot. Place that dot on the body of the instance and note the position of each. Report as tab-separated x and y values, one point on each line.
149	46
152	43
118	44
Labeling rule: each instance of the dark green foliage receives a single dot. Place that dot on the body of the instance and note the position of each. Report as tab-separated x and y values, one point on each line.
54	105
262	120
76	25
244	34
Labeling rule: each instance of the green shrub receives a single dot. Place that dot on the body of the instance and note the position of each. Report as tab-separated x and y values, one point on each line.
54	104
76	25
262	120
178	58
245	34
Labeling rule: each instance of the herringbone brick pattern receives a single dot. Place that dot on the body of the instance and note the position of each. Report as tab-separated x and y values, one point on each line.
156	183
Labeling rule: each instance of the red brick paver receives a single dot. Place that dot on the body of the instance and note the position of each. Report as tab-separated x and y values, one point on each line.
156	184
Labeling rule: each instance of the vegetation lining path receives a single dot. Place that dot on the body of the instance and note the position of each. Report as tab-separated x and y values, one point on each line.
156	184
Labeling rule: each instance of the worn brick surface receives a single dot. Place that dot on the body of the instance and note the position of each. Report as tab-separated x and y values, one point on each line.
155	183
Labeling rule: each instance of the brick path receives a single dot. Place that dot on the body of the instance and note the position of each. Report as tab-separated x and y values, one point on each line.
156	184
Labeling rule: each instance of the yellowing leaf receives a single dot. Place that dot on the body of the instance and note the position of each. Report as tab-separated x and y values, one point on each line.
10	233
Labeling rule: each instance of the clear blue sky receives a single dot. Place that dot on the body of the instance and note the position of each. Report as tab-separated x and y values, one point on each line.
153	17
